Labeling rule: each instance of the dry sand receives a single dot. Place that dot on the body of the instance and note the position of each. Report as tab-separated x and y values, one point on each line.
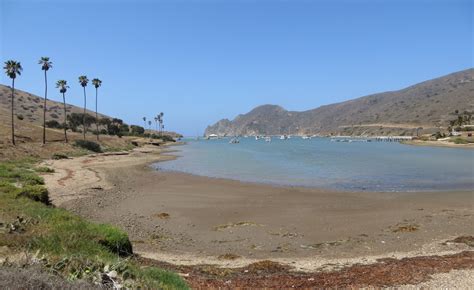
186	219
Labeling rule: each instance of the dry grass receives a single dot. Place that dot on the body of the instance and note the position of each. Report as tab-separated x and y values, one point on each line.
162	215
408	228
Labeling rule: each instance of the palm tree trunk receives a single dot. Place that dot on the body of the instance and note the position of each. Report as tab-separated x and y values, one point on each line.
96	120
44	107
13	110
65	118
84	116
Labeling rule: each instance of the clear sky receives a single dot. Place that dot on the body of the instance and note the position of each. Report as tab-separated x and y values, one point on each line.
200	61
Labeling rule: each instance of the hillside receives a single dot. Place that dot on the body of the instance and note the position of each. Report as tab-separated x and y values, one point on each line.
29	122
30	106
430	105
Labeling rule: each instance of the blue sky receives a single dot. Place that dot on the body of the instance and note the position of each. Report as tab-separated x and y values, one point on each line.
200	61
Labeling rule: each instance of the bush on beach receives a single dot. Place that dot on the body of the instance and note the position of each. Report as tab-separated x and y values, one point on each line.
35	193
88	145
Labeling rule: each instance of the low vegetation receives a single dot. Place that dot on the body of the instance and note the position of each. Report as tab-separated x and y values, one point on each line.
66	244
88	145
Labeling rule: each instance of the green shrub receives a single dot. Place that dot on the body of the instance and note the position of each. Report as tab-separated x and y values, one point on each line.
167	138
44	169
89	145
53	124
35	192
114	239
460	141
20	117
161	279
15	172
57	156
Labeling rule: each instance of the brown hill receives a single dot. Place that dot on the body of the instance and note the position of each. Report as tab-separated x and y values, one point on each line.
30	107
430	105
28	127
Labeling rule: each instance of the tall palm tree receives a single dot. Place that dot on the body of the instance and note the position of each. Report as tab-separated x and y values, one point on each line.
12	69
158	119
45	65
161	123
83	80
62	85
149	125
144	120
156	123
97	83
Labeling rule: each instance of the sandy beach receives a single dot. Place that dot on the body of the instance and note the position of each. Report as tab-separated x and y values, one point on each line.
185	219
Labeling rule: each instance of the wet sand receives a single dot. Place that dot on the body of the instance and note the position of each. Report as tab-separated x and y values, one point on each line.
186	219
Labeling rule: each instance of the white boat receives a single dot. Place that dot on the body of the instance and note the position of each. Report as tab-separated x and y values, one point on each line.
234	140
305	137
257	138
212	136
283	137
268	139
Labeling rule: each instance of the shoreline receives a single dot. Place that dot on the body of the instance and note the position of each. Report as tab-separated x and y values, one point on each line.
182	218
172	153
439	144
316	188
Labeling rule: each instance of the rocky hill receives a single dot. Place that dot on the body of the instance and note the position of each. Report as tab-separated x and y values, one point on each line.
429	105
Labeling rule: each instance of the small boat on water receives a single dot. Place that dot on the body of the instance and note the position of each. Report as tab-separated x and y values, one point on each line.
257	138
234	140
268	139
305	137
212	136
283	137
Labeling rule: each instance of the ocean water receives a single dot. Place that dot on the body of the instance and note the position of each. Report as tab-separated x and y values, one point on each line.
356	166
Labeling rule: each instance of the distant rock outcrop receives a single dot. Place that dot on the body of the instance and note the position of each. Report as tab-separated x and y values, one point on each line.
429	105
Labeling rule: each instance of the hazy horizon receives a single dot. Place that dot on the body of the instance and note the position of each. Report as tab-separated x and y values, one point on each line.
201	61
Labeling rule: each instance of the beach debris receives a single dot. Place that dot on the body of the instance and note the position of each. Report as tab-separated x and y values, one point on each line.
256	247
228	256
228	241
162	215
324	244
284	234
468	240
237	224
216	271
267	266
405	228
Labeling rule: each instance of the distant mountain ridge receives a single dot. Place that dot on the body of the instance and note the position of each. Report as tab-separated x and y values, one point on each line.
429	105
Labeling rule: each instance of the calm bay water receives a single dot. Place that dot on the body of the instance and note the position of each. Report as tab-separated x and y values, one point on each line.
371	166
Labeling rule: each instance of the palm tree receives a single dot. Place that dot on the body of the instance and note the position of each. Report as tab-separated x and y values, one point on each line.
83	80
62	85
45	65
156	123
97	83
144	120
149	125
161	123
12	69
